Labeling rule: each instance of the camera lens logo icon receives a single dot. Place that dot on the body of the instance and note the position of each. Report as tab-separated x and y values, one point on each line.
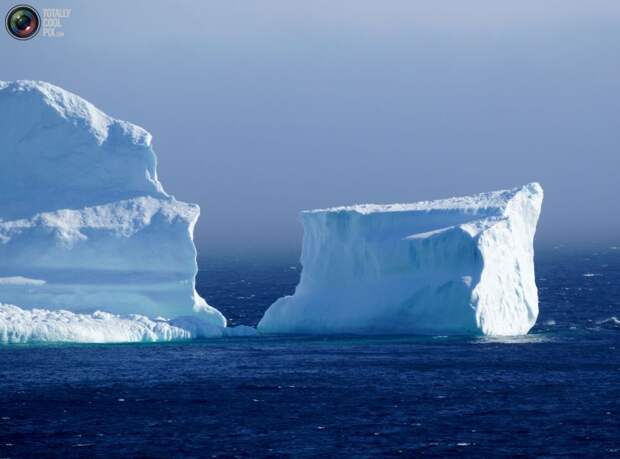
22	22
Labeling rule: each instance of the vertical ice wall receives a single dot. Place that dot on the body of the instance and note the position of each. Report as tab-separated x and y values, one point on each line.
85	224
454	266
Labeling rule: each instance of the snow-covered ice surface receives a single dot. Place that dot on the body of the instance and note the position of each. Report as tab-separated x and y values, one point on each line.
86	226
453	266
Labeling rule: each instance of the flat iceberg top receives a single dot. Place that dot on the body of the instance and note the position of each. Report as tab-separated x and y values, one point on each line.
124	218
493	202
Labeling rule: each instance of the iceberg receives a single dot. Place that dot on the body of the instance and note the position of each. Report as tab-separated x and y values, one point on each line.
86	226
459	266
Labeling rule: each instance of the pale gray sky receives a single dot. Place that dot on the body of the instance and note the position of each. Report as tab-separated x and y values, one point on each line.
262	108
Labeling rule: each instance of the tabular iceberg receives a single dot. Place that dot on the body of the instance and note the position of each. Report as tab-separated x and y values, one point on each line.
85	224
454	266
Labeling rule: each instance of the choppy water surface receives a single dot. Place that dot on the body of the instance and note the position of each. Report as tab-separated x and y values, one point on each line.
554	393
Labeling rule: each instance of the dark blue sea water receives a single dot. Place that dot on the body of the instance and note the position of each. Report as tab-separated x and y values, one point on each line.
554	393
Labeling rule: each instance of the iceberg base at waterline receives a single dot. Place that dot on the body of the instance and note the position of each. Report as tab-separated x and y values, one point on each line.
20	326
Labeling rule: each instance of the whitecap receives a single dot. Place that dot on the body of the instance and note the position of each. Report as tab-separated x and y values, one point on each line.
612	321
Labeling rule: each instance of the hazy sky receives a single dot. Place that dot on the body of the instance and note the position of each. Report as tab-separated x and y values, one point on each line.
262	108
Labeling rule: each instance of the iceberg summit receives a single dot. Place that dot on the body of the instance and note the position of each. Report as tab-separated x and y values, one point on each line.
86	226
453	266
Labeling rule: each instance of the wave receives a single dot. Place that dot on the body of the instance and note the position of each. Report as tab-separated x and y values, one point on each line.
612	321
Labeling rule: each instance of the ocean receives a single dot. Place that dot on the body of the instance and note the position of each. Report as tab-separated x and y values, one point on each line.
553	393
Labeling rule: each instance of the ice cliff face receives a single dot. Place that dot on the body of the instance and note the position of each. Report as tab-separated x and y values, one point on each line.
454	266
85	224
